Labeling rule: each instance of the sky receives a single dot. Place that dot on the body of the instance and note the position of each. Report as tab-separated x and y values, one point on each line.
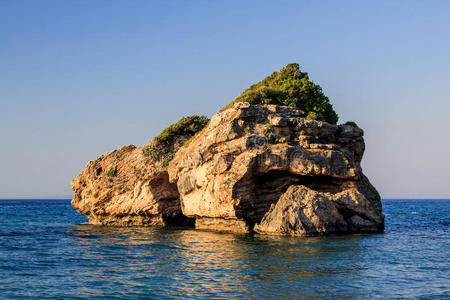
81	78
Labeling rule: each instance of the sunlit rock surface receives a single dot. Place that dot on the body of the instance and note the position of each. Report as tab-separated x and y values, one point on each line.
266	168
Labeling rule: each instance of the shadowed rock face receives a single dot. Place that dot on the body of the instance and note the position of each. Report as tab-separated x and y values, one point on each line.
268	169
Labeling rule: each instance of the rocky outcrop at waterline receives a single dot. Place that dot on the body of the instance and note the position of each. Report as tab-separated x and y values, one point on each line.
265	168
254	167
130	186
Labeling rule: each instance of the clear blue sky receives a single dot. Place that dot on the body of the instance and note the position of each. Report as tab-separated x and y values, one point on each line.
80	78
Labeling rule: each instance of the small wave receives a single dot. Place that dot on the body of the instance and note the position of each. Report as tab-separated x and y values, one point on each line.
407	213
13	233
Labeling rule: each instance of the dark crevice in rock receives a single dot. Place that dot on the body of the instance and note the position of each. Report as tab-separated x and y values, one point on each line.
179	220
268	188
324	184
346	212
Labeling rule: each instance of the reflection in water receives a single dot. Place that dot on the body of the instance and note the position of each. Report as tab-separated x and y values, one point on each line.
201	263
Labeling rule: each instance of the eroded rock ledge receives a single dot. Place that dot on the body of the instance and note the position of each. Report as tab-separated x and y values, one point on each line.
253	168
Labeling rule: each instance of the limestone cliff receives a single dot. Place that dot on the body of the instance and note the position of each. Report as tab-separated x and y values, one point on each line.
267	168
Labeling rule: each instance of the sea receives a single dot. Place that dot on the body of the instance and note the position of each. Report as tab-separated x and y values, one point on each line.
47	251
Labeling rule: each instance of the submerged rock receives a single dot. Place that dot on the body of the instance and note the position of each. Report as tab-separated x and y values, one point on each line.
267	168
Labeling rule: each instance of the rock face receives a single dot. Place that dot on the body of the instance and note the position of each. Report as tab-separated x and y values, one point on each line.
266	168
126	187
130	186
304	211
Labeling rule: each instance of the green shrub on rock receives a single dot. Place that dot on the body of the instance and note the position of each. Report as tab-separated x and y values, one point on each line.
168	159
185	126
290	87
164	146
151	151
111	173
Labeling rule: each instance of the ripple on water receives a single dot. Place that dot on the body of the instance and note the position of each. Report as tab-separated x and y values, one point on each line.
44	253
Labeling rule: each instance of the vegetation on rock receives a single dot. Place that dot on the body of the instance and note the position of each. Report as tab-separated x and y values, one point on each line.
127	148
163	148
185	126
167	160
290	87
151	151
111	173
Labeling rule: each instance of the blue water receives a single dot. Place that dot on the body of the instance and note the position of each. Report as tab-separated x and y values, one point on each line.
46	252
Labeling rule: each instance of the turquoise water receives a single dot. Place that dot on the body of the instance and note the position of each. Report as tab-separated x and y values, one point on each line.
46	252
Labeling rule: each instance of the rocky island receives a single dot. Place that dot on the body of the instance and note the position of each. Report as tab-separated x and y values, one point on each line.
273	161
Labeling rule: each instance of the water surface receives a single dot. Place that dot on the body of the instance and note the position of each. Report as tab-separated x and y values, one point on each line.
46	252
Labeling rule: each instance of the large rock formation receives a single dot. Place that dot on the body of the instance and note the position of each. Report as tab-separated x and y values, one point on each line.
270	169
266	168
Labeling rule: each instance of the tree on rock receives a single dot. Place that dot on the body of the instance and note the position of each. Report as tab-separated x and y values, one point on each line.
291	87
